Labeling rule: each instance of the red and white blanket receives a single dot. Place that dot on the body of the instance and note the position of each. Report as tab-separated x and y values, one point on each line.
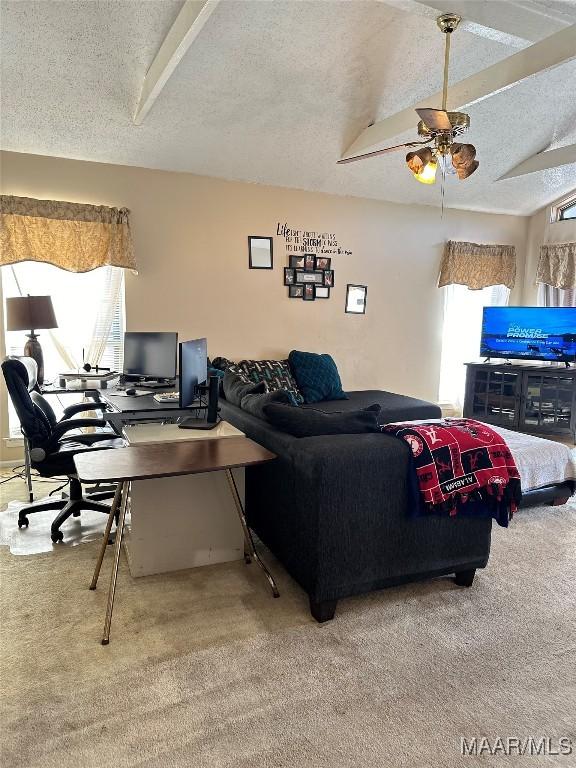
461	466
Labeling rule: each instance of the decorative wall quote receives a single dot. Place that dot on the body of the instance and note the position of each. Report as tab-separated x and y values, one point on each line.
304	241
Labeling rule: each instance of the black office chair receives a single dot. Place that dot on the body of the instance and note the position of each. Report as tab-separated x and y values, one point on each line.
51	451
84	437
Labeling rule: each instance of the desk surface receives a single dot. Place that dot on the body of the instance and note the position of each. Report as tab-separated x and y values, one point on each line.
143	462
138	434
126	404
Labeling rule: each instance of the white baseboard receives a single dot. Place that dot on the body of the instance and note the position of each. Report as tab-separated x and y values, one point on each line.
14	463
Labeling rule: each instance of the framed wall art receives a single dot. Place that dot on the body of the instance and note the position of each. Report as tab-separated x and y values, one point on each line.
260	252
356	299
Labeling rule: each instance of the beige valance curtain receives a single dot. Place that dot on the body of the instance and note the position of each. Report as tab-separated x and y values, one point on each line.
557	265
478	266
72	236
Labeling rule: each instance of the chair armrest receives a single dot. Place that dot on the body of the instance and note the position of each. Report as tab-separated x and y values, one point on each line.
72	410
65	426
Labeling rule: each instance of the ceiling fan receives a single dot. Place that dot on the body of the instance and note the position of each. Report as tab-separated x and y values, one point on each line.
439	129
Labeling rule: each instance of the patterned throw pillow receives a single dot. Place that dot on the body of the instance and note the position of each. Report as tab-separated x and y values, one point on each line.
275	374
235	387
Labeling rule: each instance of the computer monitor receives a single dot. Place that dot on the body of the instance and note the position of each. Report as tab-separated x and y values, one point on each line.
151	355
193	370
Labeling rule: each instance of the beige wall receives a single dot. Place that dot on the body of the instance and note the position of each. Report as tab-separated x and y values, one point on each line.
543	228
536	233
191	232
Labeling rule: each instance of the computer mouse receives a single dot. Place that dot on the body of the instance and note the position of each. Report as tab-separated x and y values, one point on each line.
130	391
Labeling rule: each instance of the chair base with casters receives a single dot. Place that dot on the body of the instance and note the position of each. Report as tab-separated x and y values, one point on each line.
70	506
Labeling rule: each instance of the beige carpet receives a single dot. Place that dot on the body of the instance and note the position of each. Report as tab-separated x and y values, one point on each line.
205	669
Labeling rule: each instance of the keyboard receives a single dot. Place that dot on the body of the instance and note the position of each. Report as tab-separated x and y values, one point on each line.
167	397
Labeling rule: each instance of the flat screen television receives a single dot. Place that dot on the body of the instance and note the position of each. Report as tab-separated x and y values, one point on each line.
529	333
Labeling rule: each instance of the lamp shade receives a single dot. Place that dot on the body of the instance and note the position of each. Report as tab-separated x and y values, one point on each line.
24	313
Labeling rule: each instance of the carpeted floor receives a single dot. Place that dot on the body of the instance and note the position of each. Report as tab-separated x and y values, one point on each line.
205	669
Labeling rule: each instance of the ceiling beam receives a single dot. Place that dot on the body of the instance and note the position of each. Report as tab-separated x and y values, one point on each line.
540	57
552	158
502	22
188	24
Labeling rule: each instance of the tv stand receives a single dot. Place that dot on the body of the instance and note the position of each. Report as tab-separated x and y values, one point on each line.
540	399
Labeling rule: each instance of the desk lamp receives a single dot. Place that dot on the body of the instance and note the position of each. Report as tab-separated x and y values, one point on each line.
31	312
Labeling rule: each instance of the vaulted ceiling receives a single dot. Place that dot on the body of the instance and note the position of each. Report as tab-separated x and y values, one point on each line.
276	92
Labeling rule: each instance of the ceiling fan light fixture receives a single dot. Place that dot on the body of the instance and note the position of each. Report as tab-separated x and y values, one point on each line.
428	173
463	159
423	165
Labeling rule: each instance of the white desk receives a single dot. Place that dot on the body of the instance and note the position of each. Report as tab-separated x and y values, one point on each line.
182	522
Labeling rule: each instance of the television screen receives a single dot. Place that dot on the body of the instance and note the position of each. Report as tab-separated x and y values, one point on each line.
529	333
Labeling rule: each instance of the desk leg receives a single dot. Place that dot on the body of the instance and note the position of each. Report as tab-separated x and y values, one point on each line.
249	548
112	514
114	574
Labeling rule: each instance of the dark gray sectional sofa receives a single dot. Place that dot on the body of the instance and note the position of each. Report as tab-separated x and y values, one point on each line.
334	509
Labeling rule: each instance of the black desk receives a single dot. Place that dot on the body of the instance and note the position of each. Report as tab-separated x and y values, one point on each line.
126	410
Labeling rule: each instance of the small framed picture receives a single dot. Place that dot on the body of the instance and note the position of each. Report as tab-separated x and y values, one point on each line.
309	277
321	292
356	299
328	275
322	262
260	252
309	260
289	276
296	291
309	292
297	262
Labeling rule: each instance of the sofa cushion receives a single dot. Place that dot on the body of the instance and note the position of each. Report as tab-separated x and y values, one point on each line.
394	407
275	374
308	422
317	376
255	403
235	387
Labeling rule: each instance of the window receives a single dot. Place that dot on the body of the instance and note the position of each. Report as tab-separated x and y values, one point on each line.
461	335
569	212
89	309
565	211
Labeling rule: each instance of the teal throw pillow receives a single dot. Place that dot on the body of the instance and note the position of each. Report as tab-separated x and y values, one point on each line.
317	376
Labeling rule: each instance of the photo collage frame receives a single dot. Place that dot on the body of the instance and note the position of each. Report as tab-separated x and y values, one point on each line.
309	277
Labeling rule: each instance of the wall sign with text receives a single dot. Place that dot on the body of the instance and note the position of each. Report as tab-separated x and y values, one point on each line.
304	241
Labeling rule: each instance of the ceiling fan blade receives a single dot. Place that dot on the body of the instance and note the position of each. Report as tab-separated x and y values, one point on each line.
435	119
383	151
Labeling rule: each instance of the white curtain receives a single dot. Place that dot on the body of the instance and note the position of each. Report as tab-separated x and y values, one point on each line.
86	307
461	335
548	296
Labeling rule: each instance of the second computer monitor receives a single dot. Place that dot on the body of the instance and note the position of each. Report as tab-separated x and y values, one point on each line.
193	365
150	355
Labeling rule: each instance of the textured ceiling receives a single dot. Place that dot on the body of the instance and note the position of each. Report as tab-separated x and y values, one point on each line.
274	92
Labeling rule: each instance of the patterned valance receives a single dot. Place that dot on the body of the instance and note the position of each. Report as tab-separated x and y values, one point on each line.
72	236
557	265
478	266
